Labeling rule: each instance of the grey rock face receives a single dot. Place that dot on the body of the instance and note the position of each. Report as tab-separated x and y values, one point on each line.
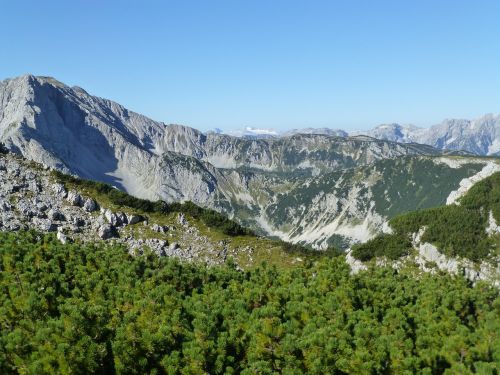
134	219
55	215
74	198
67	129
106	231
159	228
90	205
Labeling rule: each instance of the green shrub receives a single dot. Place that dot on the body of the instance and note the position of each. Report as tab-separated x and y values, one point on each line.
384	245
95	309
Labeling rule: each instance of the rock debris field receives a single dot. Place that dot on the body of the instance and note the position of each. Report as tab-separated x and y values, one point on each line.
31	198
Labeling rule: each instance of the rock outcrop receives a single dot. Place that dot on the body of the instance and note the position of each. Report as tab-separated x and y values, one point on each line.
31	198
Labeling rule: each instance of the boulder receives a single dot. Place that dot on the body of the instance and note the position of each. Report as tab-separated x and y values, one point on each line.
34	186
55	215
181	219
41	206
60	190
78	222
106	231
90	205
44	225
74	198
112	218
134	219
62	237
122	218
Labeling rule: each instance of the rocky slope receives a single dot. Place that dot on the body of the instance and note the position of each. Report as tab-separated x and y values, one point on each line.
32	197
318	189
351	205
461	237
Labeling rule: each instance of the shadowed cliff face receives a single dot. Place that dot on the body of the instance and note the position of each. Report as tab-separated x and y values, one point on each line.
303	187
66	128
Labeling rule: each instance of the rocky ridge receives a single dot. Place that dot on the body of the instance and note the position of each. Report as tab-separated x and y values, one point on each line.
31	198
429	259
68	129
480	136
317	189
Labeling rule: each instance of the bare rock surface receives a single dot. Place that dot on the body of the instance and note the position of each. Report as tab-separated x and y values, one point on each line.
33	199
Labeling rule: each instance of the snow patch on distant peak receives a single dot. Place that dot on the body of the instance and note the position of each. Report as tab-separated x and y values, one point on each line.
261	131
250	131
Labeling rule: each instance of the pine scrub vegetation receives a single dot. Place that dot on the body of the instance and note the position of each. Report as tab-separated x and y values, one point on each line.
95	309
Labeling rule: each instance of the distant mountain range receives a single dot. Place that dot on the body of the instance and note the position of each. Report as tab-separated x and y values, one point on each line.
480	136
318	187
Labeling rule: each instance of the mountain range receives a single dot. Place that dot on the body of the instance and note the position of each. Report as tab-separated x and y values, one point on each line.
479	136
319	188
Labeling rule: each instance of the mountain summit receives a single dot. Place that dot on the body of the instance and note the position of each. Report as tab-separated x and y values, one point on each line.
480	136
68	129
319	189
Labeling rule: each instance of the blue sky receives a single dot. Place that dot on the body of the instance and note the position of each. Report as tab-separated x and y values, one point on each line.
277	64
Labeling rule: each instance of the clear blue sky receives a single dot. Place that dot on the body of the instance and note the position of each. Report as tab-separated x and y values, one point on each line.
282	64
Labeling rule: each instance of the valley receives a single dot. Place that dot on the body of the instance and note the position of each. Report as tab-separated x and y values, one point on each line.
313	189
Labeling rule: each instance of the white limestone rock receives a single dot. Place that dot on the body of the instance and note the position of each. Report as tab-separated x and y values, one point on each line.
62	237
106	231
90	205
74	198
